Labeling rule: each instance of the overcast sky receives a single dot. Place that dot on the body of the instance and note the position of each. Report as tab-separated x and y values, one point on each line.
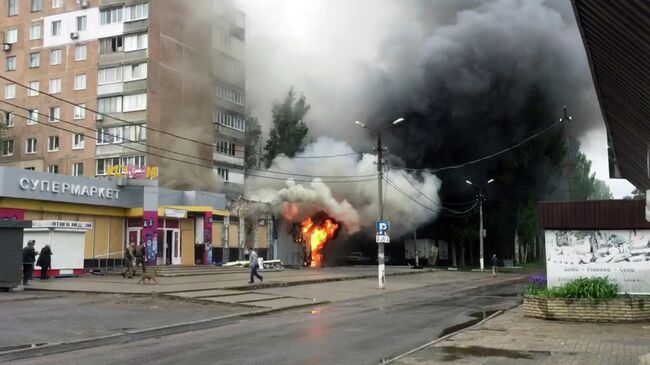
320	47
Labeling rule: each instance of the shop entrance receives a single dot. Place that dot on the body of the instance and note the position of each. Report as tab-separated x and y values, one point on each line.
169	239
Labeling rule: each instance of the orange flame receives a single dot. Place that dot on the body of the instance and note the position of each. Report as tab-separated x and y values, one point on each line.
317	236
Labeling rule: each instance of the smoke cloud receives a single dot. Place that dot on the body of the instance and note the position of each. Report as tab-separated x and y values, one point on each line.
355	204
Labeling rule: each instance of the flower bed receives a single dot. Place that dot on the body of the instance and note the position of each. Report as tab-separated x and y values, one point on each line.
621	309
583	300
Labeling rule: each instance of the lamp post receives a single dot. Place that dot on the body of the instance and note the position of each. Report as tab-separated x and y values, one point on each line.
480	209
381	269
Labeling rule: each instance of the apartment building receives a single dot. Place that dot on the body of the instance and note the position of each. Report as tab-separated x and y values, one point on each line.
166	79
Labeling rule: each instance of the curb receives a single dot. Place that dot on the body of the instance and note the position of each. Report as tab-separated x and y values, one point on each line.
76	345
392	360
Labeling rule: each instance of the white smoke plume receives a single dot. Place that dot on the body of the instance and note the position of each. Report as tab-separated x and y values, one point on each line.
351	199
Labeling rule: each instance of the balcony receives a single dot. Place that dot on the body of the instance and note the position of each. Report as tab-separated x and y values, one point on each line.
227	159
107	89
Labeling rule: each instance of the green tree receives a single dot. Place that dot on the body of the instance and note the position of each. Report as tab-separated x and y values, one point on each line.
585	184
289	130
602	191
252	141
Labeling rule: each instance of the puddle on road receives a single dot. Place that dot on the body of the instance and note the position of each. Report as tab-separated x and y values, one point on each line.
22	347
478	316
457	353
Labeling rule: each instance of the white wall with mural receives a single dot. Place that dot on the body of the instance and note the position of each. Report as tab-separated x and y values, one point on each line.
621	255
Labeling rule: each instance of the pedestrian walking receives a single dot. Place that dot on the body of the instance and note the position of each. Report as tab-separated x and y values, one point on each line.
129	256
29	256
254	263
495	263
45	261
139	258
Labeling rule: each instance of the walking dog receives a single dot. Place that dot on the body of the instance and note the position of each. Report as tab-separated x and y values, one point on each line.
149	276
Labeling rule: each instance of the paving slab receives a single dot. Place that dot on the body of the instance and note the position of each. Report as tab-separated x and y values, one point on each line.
205	293
512	338
244	297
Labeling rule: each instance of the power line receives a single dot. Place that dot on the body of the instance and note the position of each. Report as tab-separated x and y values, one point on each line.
323	181
518	144
424	206
103	114
95	130
329	156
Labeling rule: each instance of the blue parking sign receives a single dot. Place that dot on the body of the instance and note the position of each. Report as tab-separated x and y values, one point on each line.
382	227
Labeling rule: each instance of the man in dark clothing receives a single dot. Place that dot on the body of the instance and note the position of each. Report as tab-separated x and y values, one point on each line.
29	256
139	257
495	263
45	261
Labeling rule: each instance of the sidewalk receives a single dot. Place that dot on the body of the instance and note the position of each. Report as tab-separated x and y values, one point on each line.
511	338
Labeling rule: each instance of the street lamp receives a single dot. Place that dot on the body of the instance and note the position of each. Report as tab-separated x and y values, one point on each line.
480	209
381	270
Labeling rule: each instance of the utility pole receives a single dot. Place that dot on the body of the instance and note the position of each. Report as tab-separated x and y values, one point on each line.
381	275
569	175
481	231
381	263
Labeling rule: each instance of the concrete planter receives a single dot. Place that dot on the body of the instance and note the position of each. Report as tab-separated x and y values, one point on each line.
622	309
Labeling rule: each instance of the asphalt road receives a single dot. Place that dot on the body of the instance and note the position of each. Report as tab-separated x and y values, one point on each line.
361	331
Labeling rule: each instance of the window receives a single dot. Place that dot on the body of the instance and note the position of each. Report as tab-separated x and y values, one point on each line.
110	16
78	169
110	105
227	148
137	161
11	36
224	173
80	52
35	31
135	42
80	82
10	119
103	164
135	133
135	102
56	28
10	91
34	59
8	147
81	23
135	72
109	135
33	88
33	117
230	120
78	141
30	146
53	169
55	86
30	168
55	57
10	63
111	45
230	95
136	12
36	5
13	7
109	75
52	143
80	111
55	114
57	4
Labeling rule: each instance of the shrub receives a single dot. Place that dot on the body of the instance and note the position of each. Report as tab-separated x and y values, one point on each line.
581	288
536	284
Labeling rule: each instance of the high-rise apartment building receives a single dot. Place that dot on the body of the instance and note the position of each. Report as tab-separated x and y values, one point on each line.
130	82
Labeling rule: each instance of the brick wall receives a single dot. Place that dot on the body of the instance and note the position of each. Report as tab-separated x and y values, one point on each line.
584	310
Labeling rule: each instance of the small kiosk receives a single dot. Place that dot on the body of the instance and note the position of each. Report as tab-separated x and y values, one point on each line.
66	239
11	255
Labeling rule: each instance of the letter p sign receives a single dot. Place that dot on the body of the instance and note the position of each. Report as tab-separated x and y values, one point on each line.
382	227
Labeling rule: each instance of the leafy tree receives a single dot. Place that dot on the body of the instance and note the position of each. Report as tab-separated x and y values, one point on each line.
252	141
602	191
289	130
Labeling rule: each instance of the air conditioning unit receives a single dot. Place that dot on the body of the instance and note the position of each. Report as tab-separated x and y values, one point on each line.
6	47
83	3
74	35
99	117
